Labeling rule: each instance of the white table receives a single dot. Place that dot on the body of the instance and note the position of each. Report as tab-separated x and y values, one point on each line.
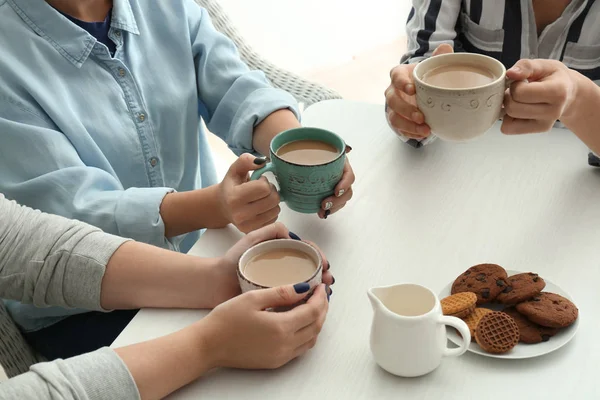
526	202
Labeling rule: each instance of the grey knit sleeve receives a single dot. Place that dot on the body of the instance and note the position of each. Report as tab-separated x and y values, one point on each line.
100	375
48	260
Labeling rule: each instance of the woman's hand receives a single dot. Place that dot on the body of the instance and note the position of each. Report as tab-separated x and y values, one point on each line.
241	334
543	92
342	192
225	271
248	205
401	105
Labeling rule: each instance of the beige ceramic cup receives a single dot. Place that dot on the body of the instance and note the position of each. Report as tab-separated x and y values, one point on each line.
458	115
314	280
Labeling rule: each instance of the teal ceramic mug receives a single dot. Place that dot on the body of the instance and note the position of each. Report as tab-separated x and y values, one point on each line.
303	187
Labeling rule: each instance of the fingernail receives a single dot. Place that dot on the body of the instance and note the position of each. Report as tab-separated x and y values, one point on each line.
417	144
333	280
259	161
330	290
341	192
328	265
328	205
515	69
301	287
327	289
294	236
327	212
349	148
409	87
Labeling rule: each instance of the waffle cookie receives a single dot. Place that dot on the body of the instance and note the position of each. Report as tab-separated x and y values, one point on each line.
497	333
530	332
459	305
473	319
550	310
520	288
485	280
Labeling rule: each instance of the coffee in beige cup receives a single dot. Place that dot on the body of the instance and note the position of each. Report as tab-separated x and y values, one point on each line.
460	94
279	262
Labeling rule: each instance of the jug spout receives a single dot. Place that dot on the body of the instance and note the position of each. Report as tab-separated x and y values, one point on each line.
376	302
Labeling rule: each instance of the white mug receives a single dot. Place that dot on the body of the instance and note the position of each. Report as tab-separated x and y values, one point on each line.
408	333
458	115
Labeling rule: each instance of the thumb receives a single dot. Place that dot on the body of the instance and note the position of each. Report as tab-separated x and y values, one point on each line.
531	70
238	171
281	296
443	48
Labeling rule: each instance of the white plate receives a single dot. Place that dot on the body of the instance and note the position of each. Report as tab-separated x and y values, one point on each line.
521	350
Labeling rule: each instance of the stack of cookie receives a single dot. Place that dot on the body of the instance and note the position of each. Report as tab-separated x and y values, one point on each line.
528	315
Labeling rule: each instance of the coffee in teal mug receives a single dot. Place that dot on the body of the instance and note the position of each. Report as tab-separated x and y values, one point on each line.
303	186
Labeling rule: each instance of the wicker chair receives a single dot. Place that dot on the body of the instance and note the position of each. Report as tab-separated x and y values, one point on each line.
304	91
16	356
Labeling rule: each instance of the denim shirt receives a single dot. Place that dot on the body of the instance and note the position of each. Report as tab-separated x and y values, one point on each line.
103	139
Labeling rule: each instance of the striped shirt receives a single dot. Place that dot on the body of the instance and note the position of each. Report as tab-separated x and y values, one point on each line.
506	30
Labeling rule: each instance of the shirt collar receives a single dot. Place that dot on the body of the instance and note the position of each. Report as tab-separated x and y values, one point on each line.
74	43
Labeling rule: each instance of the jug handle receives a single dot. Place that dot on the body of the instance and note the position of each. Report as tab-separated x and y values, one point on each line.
462	327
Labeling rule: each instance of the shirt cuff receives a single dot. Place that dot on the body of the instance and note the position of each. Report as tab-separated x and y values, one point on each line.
91	255
138	216
95	376
258	105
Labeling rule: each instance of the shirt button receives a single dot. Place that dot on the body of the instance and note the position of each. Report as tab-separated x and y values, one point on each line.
117	33
142	117
153	161
121	72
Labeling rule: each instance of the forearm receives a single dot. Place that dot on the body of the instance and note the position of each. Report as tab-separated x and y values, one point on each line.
163	365
583	116
184	212
275	123
139	275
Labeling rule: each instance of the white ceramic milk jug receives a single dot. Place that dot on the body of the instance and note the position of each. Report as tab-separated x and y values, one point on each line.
408	333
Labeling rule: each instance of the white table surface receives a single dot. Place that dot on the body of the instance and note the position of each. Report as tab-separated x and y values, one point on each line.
528	203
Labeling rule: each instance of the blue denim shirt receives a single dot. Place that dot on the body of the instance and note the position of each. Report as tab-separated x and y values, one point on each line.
103	139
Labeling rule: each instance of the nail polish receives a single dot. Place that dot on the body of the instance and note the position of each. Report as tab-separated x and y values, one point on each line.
260	161
333	280
328	205
327	214
294	236
349	148
327	292
301	287
341	192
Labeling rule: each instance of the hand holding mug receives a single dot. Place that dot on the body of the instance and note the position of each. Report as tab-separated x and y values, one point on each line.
241	334
312	170
229	262
401	106
542	93
248	205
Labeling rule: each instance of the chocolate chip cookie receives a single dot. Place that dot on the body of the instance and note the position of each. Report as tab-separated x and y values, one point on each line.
550	310
485	280
521	287
530	332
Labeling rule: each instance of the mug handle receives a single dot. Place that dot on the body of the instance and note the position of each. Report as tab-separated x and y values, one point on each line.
462	327
270	167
